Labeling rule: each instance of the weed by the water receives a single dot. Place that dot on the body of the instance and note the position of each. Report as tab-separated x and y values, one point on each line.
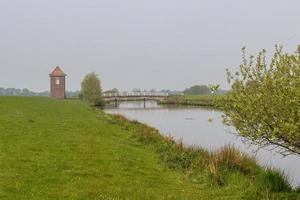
273	180
233	159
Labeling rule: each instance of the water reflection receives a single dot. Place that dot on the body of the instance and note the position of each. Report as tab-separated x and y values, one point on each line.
204	127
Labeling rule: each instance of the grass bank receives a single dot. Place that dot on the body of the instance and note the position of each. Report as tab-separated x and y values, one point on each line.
227	172
53	149
192	100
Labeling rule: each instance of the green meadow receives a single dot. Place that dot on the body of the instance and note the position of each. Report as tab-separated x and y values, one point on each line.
54	149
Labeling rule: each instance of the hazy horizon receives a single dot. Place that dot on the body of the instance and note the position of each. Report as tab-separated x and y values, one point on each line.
169	44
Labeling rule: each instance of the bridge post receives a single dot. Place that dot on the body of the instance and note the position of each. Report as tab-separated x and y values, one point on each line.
116	102
144	102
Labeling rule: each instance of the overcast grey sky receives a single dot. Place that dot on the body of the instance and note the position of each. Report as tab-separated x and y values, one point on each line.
138	43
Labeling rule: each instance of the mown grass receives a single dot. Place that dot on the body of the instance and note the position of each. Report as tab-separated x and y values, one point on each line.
61	150
192	100
52	149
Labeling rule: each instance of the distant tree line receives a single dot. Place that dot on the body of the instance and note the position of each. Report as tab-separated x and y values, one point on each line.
194	90
27	92
21	92
202	90
114	91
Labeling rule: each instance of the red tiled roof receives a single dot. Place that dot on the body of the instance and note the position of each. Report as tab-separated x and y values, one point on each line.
57	72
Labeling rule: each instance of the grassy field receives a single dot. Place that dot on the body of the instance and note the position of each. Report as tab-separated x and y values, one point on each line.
192	100
52	149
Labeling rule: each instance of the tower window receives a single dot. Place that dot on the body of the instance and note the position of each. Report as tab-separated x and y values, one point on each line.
57	81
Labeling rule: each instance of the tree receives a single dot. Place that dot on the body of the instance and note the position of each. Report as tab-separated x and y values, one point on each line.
197	89
137	90
112	91
153	90
214	88
264	101
91	91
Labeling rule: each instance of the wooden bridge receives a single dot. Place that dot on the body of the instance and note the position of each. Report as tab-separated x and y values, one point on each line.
134	96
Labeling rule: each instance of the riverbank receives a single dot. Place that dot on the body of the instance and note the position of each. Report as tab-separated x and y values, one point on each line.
226	169
192	100
66	150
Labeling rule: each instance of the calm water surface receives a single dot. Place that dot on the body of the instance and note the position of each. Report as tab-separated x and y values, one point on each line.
193	126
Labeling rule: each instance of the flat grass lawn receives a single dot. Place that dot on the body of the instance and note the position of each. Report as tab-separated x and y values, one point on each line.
51	149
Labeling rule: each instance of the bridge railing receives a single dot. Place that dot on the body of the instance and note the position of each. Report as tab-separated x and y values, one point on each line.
136	94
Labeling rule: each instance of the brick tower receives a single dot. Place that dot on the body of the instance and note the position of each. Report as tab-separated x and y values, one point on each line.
57	84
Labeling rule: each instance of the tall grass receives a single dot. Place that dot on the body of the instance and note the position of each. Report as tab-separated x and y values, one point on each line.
215	165
231	158
273	180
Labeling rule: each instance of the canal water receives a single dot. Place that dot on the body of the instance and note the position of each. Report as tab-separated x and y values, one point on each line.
203	127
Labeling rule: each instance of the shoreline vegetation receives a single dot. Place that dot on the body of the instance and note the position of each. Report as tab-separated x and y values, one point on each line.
193	100
65	149
221	168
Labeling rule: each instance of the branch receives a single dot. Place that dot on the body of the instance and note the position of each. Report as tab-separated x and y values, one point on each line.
283	146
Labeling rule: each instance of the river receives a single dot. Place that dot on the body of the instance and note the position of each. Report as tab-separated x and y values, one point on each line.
203	127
